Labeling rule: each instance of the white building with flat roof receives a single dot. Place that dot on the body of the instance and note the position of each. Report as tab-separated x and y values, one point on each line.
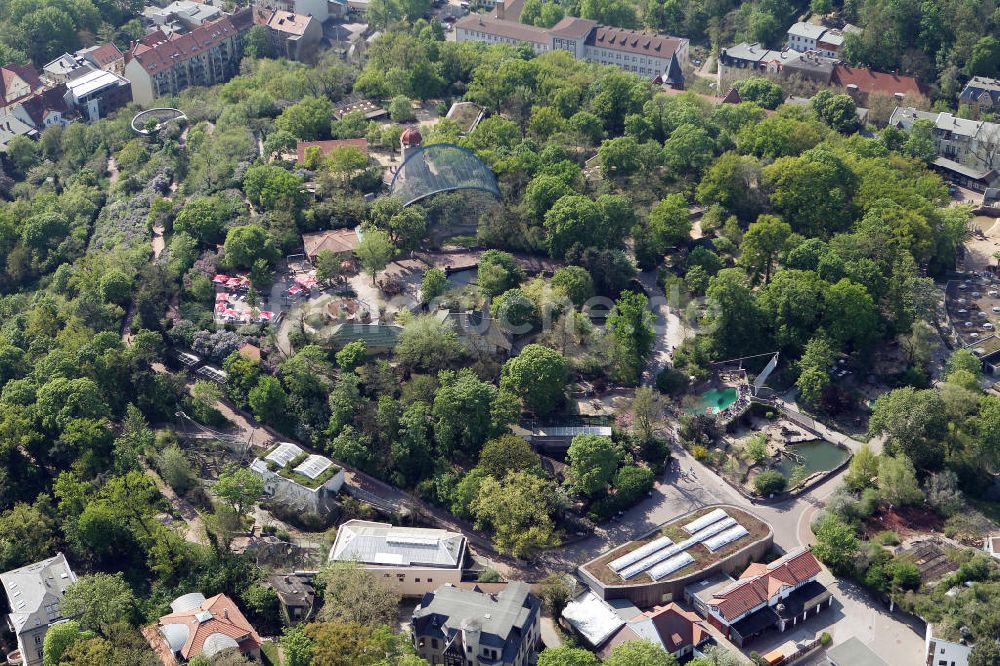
944	653
308	482
418	560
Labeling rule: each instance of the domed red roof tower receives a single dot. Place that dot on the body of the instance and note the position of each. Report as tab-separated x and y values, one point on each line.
411	137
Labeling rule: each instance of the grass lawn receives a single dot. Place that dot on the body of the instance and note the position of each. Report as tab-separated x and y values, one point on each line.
989	509
272	653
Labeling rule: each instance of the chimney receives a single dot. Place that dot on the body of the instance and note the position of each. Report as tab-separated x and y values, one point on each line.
225	613
500	9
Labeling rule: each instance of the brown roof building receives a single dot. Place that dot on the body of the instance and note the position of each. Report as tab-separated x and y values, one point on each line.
604	625
158	65
766	596
17	82
861	82
338	241
654	56
295	594
207	627
104	56
292	36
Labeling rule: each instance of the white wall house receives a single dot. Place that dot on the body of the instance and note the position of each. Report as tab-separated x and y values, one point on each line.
944	653
417	560
305	482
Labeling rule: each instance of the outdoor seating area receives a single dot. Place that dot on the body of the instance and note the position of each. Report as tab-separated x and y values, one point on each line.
230	304
738	408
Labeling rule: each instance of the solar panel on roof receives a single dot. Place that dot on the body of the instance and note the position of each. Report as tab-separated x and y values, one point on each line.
284	454
705	521
675	563
313	466
713	529
639	553
655	558
720	540
413	541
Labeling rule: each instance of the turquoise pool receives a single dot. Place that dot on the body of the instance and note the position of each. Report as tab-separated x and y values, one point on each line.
815	456
714	401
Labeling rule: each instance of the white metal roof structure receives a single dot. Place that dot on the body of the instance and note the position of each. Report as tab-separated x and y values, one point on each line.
382	544
572	431
705	521
655	558
285	453
213	373
593	618
313	466
639	553
92	82
662	554
713	529
186	602
726	538
216	643
675	563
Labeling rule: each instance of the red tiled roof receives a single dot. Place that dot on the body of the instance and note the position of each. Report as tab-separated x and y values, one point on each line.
572	27
336	240
162	54
677	628
40	104
503	28
11	72
225	619
870	82
623	635
289	23
103	55
634	41
761	582
329	146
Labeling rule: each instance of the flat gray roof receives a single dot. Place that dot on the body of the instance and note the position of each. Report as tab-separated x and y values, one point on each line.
382	544
853	652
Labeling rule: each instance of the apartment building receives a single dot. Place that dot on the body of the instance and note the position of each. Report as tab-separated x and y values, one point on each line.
159	65
862	83
292	36
767	596
17	82
827	42
971	143
982	94
468	627
417	560
755	57
34	592
651	55
301	481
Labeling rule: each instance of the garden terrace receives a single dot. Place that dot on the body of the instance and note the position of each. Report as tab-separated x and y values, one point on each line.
308	470
674	530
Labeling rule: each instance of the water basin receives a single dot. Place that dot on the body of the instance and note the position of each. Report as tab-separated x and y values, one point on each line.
714	401
817	455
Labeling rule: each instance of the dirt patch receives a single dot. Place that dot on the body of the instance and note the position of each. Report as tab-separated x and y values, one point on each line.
904	521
